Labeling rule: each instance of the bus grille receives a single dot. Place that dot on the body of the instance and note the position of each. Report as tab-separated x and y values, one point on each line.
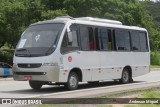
33	65
30	73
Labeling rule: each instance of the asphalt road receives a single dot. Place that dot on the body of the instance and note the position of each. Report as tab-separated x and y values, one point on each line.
21	89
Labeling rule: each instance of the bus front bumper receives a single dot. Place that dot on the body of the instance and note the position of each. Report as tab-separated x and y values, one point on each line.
43	73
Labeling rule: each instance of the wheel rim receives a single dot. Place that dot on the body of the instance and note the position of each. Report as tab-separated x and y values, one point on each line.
73	81
125	76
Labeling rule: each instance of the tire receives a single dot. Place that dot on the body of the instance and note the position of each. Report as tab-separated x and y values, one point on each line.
131	80
125	76
72	82
36	85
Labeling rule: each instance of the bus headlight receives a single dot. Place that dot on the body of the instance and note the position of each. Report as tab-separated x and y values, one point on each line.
50	64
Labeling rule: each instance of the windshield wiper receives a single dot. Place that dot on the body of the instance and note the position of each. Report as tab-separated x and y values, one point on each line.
18	52
50	49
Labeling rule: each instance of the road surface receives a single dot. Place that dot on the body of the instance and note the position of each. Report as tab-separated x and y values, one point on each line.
21	89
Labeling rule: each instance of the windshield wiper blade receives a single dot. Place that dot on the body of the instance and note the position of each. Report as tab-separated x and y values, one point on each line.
22	54
21	49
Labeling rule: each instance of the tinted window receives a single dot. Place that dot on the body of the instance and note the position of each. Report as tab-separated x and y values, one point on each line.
97	39
122	40
70	40
135	41
105	39
6	66
3	65
143	41
87	38
139	41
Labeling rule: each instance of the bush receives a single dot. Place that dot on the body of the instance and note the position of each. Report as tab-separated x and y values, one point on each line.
6	57
155	58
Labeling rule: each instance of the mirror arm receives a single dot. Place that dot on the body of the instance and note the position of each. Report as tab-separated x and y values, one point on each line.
68	27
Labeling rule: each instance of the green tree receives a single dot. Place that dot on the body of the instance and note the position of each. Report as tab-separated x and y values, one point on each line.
53	4
16	15
130	12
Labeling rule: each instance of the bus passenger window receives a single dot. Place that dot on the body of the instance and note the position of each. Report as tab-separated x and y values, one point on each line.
105	39
122	40
135	41
91	39
109	40
87	38
97	38
143	41
84	38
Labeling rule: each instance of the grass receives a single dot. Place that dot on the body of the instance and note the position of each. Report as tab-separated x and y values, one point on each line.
131	92
152	94
155	66
147	93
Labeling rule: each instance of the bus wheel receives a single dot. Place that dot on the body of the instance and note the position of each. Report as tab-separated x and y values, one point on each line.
125	76
131	80
36	85
72	82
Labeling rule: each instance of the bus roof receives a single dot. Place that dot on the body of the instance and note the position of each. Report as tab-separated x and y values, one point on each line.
91	21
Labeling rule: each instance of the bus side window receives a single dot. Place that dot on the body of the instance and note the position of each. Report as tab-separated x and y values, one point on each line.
135	40
64	42
70	40
91	39
84	38
143	42
110	47
87	38
97	39
105	39
122	39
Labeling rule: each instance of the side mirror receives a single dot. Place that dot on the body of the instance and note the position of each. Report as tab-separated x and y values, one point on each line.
68	28
70	36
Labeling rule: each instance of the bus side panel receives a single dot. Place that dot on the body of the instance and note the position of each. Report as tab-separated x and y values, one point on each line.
108	66
106	73
86	61
113	63
140	70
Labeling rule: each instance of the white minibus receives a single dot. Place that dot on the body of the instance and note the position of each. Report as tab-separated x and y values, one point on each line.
69	50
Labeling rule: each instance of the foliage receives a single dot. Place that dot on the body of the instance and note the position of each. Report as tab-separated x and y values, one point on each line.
6	57
155	58
16	15
154	9
130	12
50	14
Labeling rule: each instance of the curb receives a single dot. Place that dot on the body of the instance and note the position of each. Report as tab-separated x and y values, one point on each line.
6	79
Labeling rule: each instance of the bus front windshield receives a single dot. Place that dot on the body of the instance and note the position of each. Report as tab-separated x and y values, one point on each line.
39	40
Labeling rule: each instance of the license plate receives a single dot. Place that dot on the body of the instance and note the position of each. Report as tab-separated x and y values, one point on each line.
27	77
